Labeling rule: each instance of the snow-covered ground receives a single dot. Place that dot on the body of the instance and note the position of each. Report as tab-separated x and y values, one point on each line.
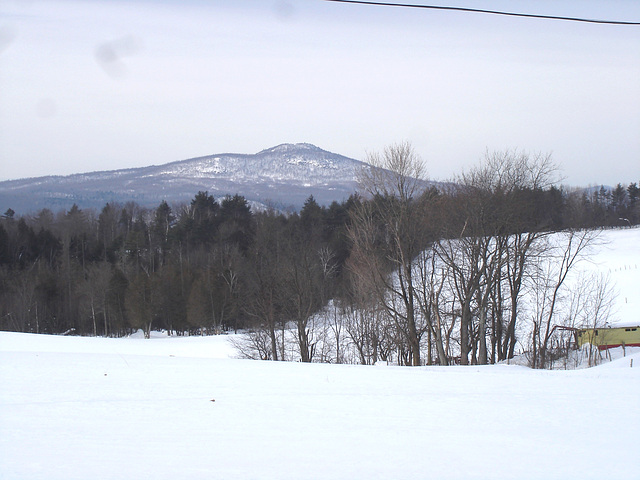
177	407
617	259
168	408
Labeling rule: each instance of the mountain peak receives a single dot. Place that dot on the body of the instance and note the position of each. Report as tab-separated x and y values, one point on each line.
285	175
290	147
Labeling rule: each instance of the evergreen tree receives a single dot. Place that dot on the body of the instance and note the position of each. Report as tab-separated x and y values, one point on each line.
237	226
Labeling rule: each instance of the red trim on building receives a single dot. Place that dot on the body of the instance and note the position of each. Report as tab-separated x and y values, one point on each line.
606	347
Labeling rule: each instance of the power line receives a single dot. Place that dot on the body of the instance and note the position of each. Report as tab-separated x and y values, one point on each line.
493	12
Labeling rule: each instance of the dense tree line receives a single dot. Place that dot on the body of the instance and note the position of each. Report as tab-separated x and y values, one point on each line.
204	267
414	272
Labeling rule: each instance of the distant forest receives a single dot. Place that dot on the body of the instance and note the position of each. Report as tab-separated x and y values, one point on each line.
213	265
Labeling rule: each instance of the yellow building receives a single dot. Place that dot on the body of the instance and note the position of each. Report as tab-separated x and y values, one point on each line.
603	338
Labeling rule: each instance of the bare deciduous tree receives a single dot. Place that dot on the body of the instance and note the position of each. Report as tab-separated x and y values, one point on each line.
388	233
549	279
493	230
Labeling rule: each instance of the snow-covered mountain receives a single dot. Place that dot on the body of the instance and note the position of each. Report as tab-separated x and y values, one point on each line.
283	176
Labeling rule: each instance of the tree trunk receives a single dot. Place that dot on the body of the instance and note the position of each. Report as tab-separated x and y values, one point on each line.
465	320
482	336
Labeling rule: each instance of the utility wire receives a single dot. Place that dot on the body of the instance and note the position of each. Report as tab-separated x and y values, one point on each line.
494	12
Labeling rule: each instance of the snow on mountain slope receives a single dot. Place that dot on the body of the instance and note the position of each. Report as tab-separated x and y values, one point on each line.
284	175
302	164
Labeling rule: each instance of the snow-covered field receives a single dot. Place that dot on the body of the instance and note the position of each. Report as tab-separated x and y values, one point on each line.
176	407
168	408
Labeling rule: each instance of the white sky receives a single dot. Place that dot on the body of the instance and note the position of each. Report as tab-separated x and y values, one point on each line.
97	85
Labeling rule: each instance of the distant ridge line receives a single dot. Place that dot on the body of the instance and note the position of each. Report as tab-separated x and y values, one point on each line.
286	174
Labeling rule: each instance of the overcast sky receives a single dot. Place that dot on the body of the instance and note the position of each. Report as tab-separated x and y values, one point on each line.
98	85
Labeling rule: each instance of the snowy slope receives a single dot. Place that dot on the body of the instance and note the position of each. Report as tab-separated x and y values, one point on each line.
77	408
618	260
284	175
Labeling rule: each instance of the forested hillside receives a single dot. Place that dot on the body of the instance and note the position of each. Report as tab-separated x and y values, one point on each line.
422	275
